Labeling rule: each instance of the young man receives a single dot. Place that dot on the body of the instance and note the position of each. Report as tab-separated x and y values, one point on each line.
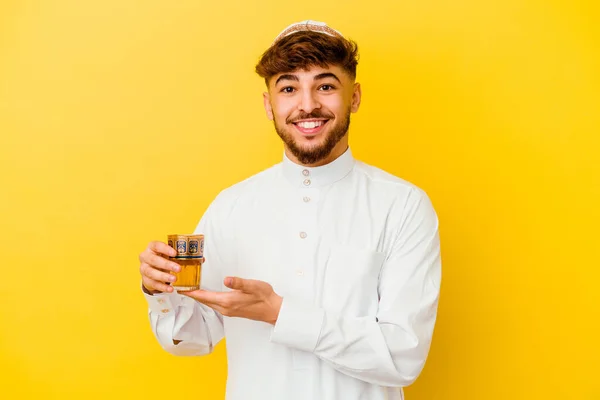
322	272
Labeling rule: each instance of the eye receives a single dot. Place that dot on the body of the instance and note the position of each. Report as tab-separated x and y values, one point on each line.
287	89
326	88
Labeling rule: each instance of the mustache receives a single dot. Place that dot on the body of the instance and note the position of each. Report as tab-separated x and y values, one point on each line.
312	115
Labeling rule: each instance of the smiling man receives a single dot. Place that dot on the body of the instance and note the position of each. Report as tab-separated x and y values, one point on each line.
322	272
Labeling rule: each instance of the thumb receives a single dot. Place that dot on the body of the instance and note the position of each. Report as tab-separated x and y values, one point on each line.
234	283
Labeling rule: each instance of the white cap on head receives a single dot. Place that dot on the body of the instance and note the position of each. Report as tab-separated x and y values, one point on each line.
308	25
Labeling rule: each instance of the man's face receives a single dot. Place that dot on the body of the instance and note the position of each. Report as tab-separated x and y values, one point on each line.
311	112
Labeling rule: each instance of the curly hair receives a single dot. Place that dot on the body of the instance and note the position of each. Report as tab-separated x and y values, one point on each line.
305	49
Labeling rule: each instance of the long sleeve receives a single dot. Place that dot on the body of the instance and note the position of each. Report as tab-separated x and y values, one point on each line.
391	349
173	317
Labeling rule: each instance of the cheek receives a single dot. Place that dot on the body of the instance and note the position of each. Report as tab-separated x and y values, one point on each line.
281	112
337	104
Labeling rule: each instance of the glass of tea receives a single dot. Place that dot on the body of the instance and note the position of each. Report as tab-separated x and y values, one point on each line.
190	256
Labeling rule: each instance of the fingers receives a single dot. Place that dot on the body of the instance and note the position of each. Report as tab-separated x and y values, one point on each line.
221	302
162	248
159	262
155	286
155	279
154	267
206	297
163	263
156	274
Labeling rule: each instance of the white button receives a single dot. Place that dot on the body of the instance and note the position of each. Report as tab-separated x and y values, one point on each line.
306	199
303	235
305	172
300	272
307	182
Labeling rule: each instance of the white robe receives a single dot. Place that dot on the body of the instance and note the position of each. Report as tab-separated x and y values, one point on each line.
355	254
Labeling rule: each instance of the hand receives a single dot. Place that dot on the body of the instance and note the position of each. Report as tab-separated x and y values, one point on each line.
155	268
251	299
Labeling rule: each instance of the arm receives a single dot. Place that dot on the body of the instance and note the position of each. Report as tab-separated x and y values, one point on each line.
391	349
183	326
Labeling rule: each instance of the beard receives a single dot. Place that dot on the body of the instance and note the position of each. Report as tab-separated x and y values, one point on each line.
311	154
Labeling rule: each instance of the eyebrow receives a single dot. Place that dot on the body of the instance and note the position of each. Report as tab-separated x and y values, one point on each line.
318	77
325	75
287	77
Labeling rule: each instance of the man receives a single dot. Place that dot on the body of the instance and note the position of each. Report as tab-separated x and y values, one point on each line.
322	272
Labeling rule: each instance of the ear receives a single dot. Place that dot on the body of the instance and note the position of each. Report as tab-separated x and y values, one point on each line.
356	95
267	103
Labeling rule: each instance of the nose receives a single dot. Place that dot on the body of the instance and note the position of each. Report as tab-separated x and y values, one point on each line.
308	102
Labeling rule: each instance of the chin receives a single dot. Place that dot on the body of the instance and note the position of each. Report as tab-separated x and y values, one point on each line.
311	143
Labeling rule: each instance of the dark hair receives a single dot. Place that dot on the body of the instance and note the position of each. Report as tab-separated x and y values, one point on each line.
305	49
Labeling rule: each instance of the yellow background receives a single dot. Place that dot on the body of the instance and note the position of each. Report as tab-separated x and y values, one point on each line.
121	120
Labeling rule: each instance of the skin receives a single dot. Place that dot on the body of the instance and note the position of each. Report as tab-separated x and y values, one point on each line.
317	94
314	95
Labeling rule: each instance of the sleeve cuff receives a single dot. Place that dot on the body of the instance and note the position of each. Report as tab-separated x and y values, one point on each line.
298	325
162	303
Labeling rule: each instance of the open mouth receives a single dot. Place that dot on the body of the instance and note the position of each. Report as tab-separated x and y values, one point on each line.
310	127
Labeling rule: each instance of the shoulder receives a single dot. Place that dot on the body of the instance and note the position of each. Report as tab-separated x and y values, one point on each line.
406	199
382	180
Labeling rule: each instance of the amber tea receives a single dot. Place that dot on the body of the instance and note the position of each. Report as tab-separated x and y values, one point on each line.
189	276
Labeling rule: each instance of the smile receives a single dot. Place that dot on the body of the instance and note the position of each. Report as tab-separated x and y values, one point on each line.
310	127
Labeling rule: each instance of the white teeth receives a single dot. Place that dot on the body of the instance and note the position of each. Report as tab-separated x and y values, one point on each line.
310	125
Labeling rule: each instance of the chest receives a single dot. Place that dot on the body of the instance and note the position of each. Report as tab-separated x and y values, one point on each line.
313	245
